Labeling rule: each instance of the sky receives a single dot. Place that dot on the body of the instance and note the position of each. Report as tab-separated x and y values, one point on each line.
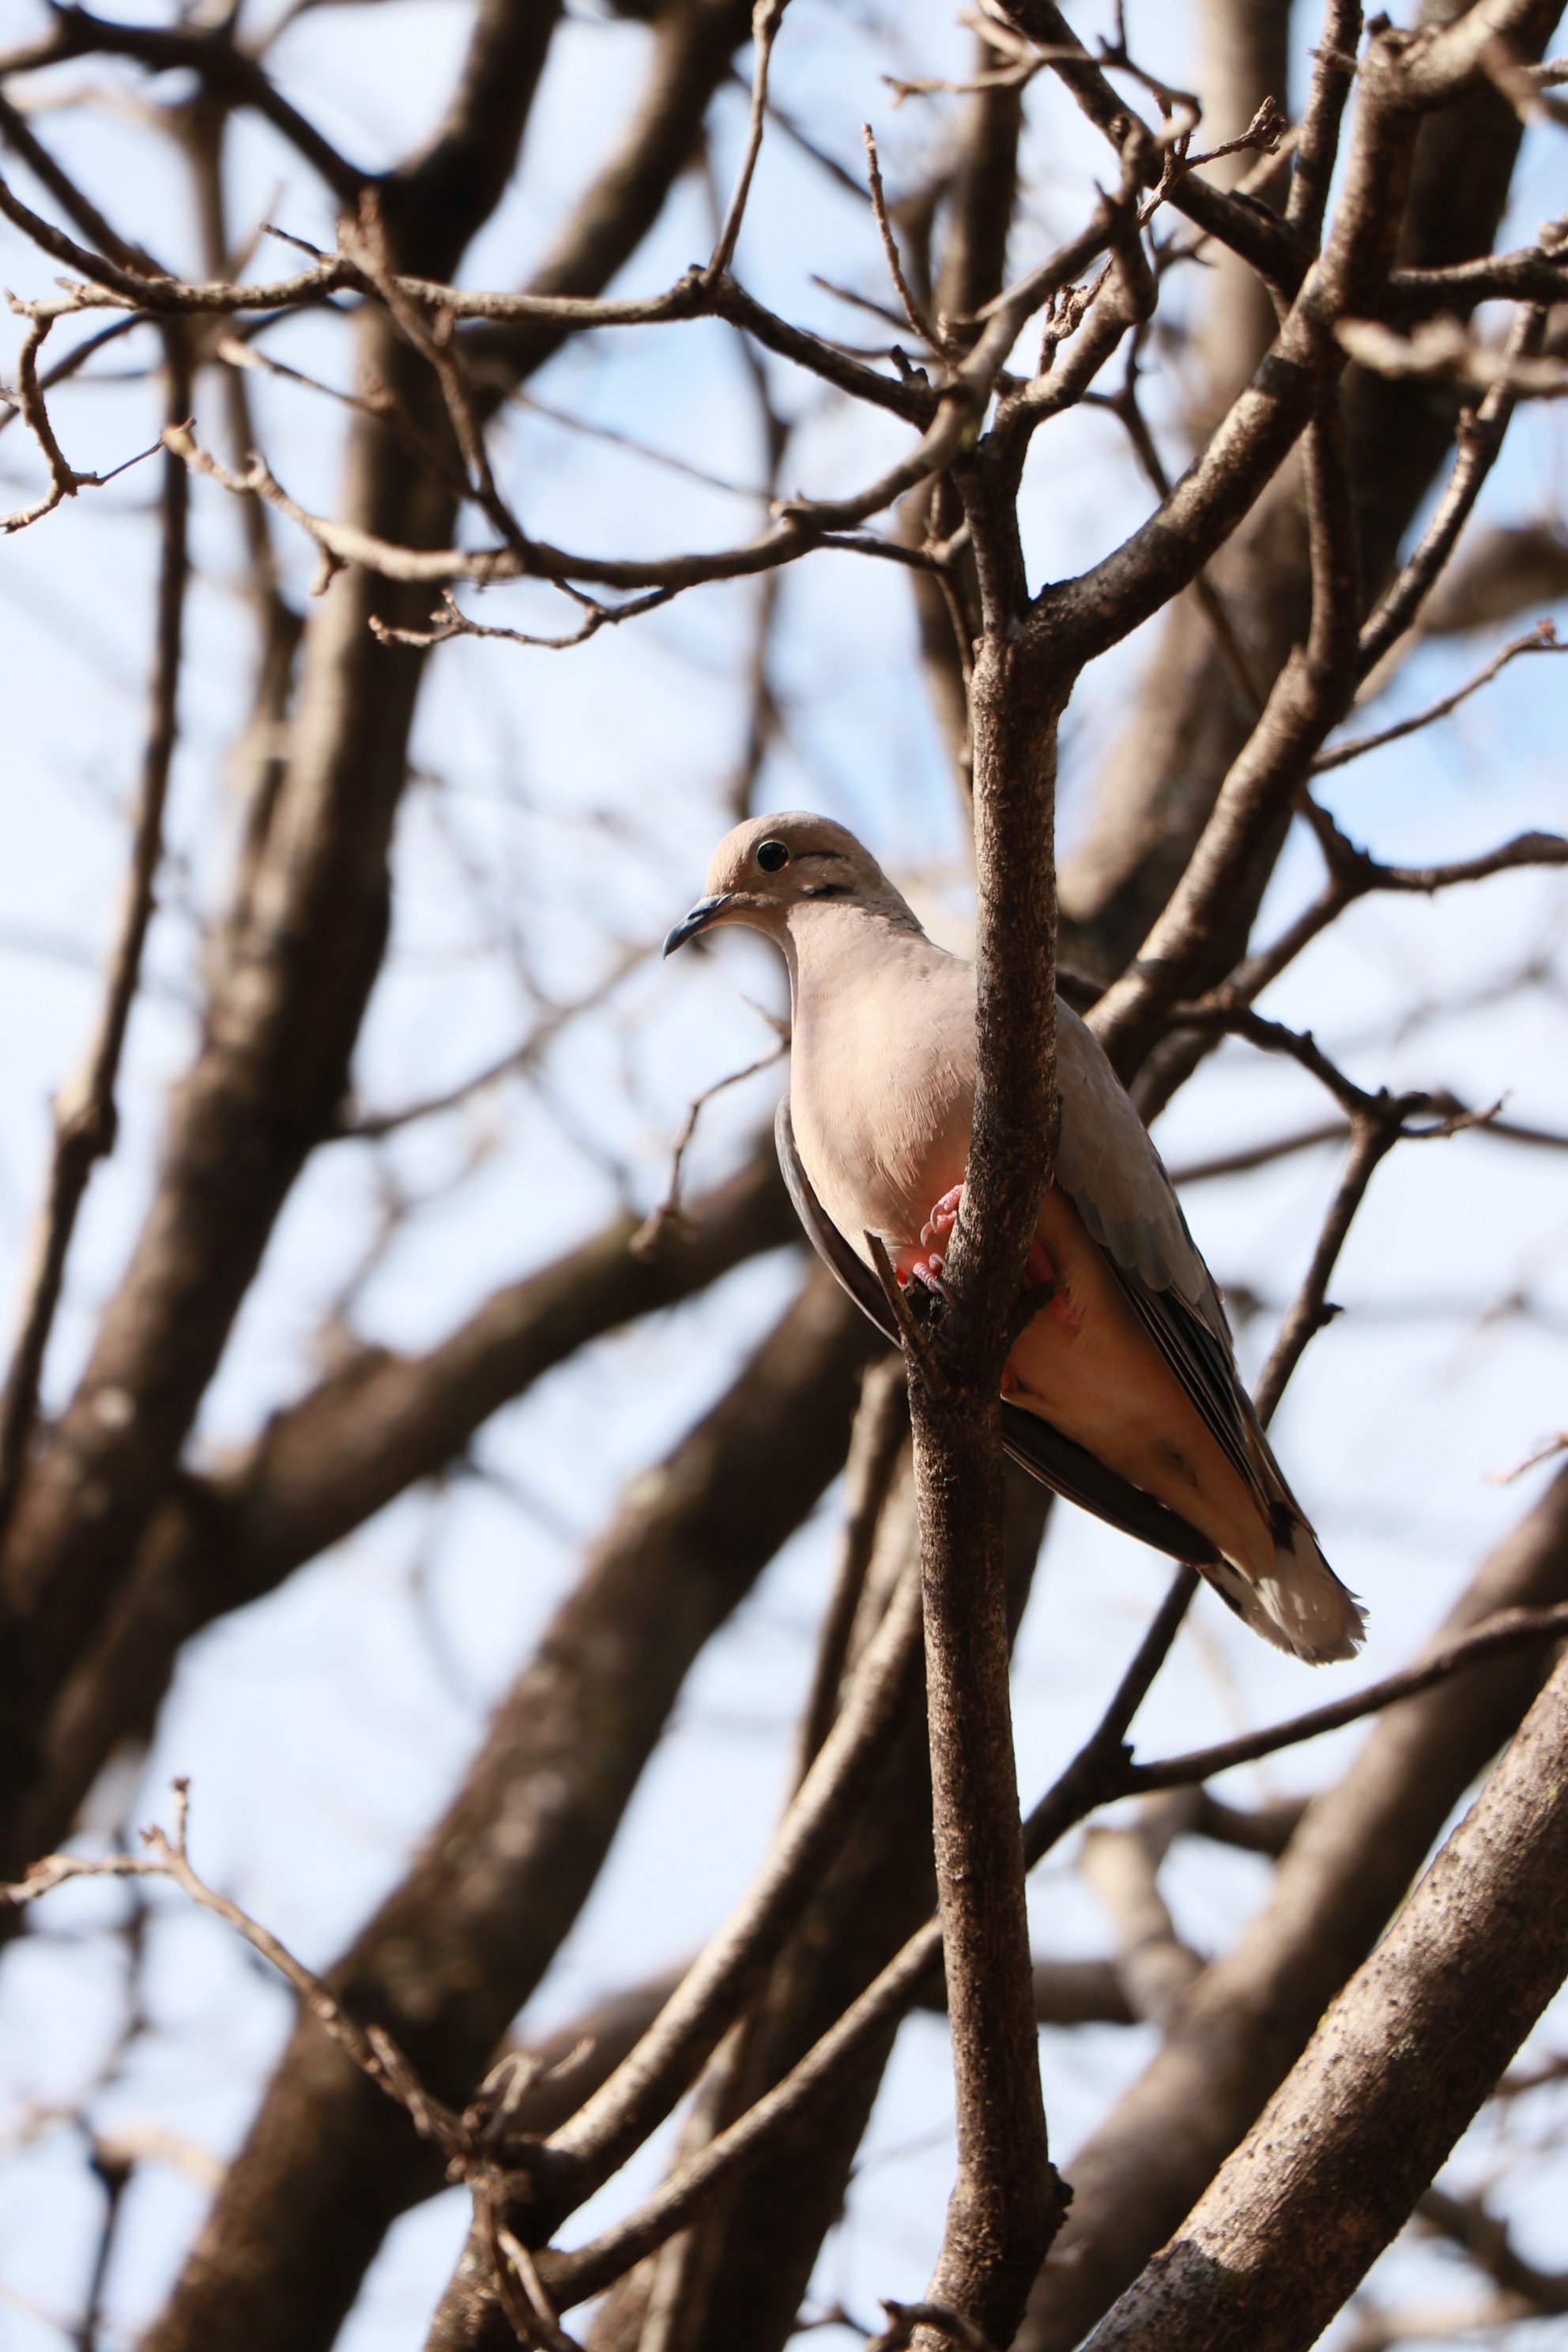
562	812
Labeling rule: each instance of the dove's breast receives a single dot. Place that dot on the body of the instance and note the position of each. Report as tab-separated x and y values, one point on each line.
882	1080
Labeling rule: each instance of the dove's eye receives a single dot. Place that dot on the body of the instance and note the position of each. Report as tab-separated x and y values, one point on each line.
771	855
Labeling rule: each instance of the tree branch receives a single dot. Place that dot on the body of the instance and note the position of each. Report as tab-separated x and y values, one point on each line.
85	1114
328	1463
1311	693
1541	639
1252	2011
455	1950
1401	2062
213	54
1480	437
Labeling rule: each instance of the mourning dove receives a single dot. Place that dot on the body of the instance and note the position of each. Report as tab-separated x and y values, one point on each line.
1121	1391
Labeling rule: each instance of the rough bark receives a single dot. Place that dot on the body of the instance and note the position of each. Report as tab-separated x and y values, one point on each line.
457	1948
1250	2013
749	2265
1400	2064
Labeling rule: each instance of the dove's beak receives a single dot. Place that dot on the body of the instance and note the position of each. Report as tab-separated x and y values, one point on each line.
705	912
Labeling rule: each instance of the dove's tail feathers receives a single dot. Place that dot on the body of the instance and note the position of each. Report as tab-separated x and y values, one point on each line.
1300	1606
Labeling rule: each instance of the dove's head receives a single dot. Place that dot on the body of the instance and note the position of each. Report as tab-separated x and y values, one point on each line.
770	869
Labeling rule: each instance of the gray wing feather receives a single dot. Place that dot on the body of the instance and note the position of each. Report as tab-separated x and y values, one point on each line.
1107	1164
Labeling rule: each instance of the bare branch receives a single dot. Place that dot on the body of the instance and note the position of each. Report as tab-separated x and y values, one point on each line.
1443	352
1371	1140
1495	1637
617	2118
85	1113
166	1857
1541	639
1401	2061
881	1426
767	15
913	312
1478	439
651	1232
1352	874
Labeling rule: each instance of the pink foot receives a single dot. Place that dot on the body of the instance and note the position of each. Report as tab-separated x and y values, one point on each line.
943	1218
921	1266
924	1265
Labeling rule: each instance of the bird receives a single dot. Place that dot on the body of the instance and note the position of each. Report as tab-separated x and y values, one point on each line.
1121	1390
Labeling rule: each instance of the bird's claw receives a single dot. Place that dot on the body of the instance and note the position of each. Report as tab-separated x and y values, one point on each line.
927	1272
942	1219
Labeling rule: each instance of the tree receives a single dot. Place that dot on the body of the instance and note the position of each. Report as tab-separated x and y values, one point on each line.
1272	302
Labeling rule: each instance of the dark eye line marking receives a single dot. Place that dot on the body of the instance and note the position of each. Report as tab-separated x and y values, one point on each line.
802	855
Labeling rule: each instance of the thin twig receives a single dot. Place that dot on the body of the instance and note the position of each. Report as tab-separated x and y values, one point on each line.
1511	1628
64	481
1371	1140
645	1242
1478	439
370	1127
449	622
166	1856
345	543
767	15
912	311
1249	1156
1541	639
1352	875
74	360
1125	405
1545	1451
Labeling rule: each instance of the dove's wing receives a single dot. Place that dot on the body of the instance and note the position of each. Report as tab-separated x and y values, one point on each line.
1069	1469
1107	1164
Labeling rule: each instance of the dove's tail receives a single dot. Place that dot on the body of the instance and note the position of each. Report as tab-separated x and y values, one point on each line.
1298	1602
